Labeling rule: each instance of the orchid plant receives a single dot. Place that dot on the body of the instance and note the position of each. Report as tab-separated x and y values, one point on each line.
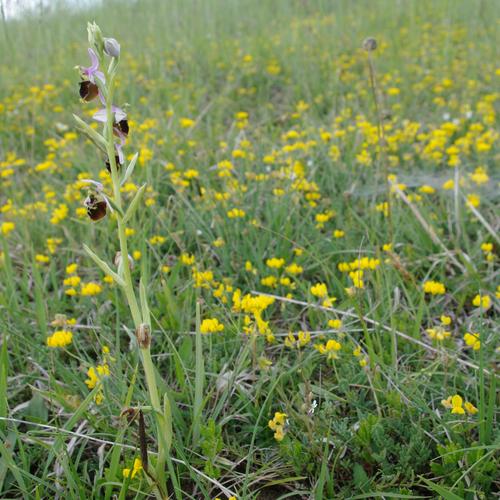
98	82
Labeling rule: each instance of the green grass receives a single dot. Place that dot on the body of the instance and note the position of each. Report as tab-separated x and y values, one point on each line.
297	68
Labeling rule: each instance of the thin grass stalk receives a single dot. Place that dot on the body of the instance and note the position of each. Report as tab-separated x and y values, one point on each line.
199	380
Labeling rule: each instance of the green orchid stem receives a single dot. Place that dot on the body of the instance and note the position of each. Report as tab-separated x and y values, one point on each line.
128	286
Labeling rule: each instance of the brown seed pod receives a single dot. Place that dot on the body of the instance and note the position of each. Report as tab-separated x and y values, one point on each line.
143	335
130	414
88	91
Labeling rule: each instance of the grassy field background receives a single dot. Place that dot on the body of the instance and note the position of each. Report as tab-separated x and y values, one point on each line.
358	190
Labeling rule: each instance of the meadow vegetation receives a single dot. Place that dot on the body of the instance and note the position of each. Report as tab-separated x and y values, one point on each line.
312	289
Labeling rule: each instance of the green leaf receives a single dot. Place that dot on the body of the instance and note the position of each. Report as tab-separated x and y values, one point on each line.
91	134
361	480
40	303
146	317
199	380
441	490
17	472
134	204
4	367
130	169
115	207
104	266
36	409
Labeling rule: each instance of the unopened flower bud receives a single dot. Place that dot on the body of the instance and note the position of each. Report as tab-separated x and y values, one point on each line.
369	44
60	320
96	40
143	336
118	261
111	47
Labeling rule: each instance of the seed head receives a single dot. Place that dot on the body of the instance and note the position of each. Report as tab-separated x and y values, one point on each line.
369	44
143	336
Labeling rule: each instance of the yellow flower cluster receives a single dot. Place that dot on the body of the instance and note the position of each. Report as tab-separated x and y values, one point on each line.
336	324
482	301
358	353
211	325
456	405
472	340
7	227
90	289
275	263
95	374
359	264
236	213
60	338
187	259
59	214
487	248
434	288
251	304
254	305
52	244
157	240
301	340
277	424
438	333
319	290
202	279
329	349
136	468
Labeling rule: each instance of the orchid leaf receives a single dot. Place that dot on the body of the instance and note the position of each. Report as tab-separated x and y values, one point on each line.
130	169
90	133
104	266
134	204
144	303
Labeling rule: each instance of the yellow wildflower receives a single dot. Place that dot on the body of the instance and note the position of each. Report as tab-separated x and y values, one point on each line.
136	468
60	338
330	348
275	263
319	290
482	301
472	340
7	227
90	289
434	288
211	325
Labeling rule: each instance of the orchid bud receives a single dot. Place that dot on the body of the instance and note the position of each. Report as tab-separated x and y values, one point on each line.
95	38
119	261
111	47
143	336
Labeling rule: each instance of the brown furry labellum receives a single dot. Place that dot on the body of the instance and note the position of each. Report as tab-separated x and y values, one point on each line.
143	336
96	207
88	91
121	128
117	163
